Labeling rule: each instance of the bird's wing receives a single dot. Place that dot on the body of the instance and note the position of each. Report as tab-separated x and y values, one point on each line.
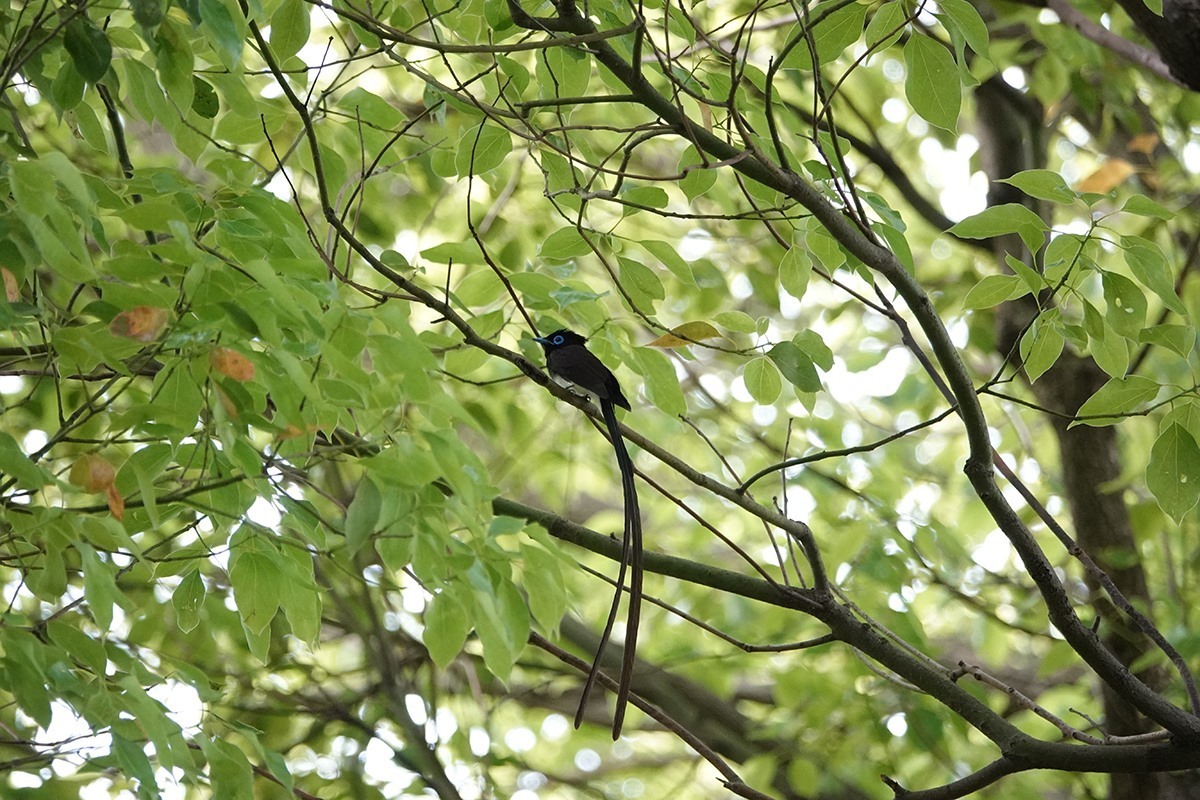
580	366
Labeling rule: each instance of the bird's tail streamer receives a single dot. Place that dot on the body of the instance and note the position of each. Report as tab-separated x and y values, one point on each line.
631	559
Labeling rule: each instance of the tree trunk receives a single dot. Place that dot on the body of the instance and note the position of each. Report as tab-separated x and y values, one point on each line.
1090	458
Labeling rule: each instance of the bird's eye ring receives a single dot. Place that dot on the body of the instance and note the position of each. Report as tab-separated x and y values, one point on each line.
558	339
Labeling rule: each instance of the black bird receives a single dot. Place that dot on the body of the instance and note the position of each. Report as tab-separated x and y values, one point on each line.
574	366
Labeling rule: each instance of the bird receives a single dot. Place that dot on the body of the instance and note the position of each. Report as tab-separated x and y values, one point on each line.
573	366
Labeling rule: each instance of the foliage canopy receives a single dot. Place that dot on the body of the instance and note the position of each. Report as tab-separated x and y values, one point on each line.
904	295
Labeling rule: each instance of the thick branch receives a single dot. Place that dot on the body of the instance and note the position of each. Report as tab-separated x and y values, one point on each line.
979	464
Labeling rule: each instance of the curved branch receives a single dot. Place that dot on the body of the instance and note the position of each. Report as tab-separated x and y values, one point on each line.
979	467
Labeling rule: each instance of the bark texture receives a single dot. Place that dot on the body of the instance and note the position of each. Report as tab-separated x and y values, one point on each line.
1090	458
1176	34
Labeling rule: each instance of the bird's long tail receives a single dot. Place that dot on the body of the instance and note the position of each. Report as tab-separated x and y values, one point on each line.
631	559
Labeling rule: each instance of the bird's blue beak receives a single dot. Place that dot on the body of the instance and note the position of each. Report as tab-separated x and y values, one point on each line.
540	340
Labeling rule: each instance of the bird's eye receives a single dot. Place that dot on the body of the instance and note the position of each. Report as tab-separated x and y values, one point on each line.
558	339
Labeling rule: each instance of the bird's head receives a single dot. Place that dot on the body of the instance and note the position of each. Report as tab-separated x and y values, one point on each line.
560	338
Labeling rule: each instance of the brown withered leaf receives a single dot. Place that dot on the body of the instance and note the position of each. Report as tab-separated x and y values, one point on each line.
1143	143
116	503
1111	174
12	290
92	473
141	323
292	431
231	364
685	334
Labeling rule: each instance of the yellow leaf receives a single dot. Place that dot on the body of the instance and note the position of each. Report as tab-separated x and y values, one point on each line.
685	334
1110	175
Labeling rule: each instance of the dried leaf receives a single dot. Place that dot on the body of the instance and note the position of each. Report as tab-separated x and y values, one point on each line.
685	334
142	324
12	291
116	503
231	364
1110	175
292	431
1143	143
92	473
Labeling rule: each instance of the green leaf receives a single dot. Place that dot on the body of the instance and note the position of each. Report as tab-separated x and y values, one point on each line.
23	664
564	244
816	349
1149	266
481	149
1145	207
1118	396
640	279
1110	352
1034	280
148	13
563	72
932	82
963	16
1185	412
222	31
794	272
762	380
1041	183
15	464
1040	348
1126	305
824	247
89	48
544	584
458	252
67	89
1003	219
897	243
99	588
229	772
886	25
994	290
301	597
662	384
796	366
503	622
257	585
205	101
446	628
78	645
362	515
131	756
648	196
697	179
670	259
1173	473
1180	339
29	182
173	55
831	35
736	321
187	599
274	761
290	26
